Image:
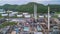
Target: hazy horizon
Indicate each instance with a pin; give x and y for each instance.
(20, 2)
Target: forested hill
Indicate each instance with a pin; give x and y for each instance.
(55, 8)
(29, 7)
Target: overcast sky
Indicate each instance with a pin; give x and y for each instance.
(19, 2)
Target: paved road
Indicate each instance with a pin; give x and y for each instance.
(13, 32)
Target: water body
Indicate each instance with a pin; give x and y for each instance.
(26, 28)
(38, 33)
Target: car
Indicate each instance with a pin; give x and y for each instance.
(39, 28)
(55, 28)
(55, 32)
(1, 33)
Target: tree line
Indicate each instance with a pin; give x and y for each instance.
(29, 7)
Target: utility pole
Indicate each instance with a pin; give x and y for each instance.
(48, 19)
(8, 15)
(35, 11)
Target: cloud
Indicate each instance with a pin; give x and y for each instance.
(19, 2)
(40, 0)
(30, 0)
(16, 0)
(9, 0)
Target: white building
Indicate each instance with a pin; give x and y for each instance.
(11, 15)
(4, 14)
(14, 13)
(58, 15)
(2, 11)
(27, 16)
(9, 11)
(47, 16)
(14, 20)
(19, 15)
(41, 16)
(25, 13)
